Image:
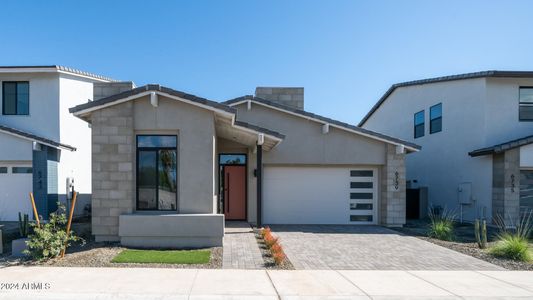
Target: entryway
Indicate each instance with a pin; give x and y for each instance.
(233, 185)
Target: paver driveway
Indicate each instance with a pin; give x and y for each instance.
(367, 248)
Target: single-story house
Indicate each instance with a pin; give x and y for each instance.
(168, 167)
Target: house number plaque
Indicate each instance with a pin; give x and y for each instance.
(512, 183)
(396, 180)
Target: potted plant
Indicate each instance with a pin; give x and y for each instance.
(19, 245)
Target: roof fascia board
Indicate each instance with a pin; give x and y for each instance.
(60, 146)
(49, 70)
(160, 93)
(323, 123)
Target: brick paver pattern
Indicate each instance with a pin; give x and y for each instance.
(367, 248)
(241, 250)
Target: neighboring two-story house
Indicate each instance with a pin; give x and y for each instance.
(476, 132)
(41, 143)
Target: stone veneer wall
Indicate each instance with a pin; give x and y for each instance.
(112, 167)
(392, 206)
(506, 185)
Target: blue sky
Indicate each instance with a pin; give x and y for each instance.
(345, 53)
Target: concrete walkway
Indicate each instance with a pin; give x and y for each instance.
(340, 247)
(240, 249)
(122, 283)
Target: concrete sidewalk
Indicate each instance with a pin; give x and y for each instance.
(143, 283)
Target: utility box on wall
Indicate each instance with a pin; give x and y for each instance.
(464, 192)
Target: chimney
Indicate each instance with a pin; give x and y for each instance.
(106, 89)
(289, 96)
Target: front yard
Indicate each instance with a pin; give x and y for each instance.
(464, 241)
(93, 254)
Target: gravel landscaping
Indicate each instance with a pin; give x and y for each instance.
(465, 243)
(267, 257)
(94, 254)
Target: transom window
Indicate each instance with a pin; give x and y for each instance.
(157, 172)
(16, 98)
(525, 111)
(435, 118)
(419, 124)
(232, 159)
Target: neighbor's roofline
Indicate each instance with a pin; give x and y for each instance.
(492, 73)
(499, 148)
(323, 120)
(35, 138)
(55, 69)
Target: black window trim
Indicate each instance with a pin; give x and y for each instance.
(430, 119)
(423, 124)
(155, 149)
(16, 99)
(523, 104)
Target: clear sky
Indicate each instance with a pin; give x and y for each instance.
(345, 53)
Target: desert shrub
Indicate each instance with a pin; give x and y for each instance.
(270, 240)
(441, 225)
(265, 231)
(513, 247)
(513, 238)
(48, 240)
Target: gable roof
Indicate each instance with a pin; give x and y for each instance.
(324, 120)
(499, 148)
(493, 73)
(54, 68)
(143, 91)
(34, 138)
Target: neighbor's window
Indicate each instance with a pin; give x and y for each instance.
(16, 98)
(525, 112)
(21, 170)
(157, 172)
(435, 118)
(419, 124)
(3, 170)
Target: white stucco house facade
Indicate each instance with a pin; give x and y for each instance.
(475, 130)
(41, 143)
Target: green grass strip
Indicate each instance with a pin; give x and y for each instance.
(163, 256)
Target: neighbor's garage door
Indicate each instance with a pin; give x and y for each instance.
(319, 195)
(15, 186)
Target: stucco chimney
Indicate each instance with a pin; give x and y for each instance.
(106, 89)
(290, 96)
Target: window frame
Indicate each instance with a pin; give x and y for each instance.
(431, 130)
(423, 124)
(520, 104)
(156, 150)
(16, 98)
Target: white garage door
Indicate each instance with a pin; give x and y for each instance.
(319, 195)
(15, 186)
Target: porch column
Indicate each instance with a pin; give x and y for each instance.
(259, 175)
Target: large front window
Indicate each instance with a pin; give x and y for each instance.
(156, 172)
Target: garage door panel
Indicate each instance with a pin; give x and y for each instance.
(311, 195)
(14, 195)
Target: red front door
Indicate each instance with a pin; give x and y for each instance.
(235, 192)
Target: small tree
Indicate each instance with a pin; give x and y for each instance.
(47, 241)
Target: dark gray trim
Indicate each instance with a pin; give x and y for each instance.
(502, 147)
(259, 185)
(260, 129)
(508, 74)
(324, 119)
(35, 138)
(155, 88)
